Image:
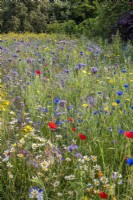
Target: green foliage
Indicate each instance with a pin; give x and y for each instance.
(68, 27)
(107, 16)
(25, 16)
(90, 17)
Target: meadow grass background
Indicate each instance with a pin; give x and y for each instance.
(85, 89)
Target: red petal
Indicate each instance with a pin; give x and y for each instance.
(103, 195)
(38, 72)
(52, 125)
(129, 134)
(82, 137)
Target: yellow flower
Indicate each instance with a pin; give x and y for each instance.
(20, 145)
(10, 174)
(94, 158)
(84, 71)
(114, 104)
(2, 108)
(20, 155)
(28, 129)
(85, 105)
(106, 109)
(45, 169)
(111, 81)
(85, 198)
(9, 164)
(6, 102)
(127, 99)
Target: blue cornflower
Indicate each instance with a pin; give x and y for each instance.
(118, 101)
(95, 112)
(121, 131)
(129, 161)
(57, 100)
(131, 107)
(126, 85)
(58, 122)
(119, 93)
(80, 120)
(45, 110)
(124, 70)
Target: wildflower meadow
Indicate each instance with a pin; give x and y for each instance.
(66, 118)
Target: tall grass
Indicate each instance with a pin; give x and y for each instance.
(66, 106)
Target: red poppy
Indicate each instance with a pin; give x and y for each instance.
(82, 137)
(103, 195)
(52, 125)
(70, 119)
(73, 129)
(38, 72)
(45, 64)
(129, 134)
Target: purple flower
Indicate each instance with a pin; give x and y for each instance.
(15, 55)
(10, 59)
(29, 60)
(91, 100)
(115, 175)
(94, 70)
(78, 155)
(66, 70)
(79, 66)
(72, 147)
(124, 70)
